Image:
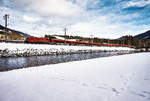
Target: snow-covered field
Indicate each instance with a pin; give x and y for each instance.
(17, 49)
(117, 78)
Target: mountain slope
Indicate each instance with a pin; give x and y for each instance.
(17, 32)
(145, 35)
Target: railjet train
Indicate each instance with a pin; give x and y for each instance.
(61, 41)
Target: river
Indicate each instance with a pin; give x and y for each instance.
(24, 62)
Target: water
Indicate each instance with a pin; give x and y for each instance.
(24, 62)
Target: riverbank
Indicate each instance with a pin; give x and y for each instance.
(117, 78)
(21, 49)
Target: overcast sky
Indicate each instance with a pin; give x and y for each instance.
(98, 18)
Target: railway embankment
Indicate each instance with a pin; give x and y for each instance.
(21, 49)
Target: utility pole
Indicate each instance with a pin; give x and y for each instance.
(6, 16)
(92, 37)
(65, 32)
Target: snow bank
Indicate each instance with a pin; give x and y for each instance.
(118, 78)
(17, 49)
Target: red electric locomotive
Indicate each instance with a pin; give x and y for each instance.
(37, 40)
